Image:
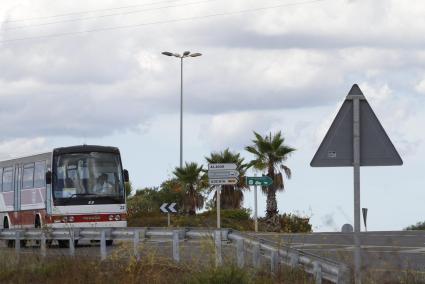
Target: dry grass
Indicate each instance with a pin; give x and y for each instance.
(152, 268)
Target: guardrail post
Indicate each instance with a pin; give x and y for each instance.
(17, 242)
(176, 249)
(294, 258)
(317, 270)
(103, 245)
(71, 243)
(217, 242)
(43, 244)
(343, 275)
(240, 253)
(274, 261)
(136, 240)
(256, 255)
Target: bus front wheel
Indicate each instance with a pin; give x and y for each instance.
(11, 243)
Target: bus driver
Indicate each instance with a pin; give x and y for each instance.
(102, 185)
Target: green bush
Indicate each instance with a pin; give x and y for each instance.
(238, 219)
(234, 214)
(295, 224)
(419, 226)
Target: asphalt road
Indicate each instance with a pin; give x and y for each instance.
(381, 251)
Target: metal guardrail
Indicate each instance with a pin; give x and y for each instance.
(319, 267)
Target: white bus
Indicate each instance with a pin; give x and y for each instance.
(78, 186)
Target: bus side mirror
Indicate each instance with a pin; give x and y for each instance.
(126, 178)
(48, 177)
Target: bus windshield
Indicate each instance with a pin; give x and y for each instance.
(80, 176)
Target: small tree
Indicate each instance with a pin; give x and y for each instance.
(270, 153)
(192, 183)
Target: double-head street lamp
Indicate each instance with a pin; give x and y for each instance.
(186, 54)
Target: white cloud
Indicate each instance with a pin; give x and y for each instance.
(420, 87)
(21, 147)
(234, 130)
(286, 69)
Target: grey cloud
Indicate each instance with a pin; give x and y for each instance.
(68, 112)
(95, 84)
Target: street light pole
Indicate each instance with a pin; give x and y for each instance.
(181, 112)
(185, 55)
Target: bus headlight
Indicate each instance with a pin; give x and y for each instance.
(117, 217)
(71, 219)
(111, 217)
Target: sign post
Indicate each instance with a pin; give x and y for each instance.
(218, 175)
(356, 167)
(168, 208)
(255, 208)
(356, 138)
(364, 211)
(218, 193)
(255, 181)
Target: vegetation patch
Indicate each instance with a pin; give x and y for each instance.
(238, 219)
(417, 227)
(33, 269)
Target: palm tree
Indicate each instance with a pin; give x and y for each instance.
(231, 195)
(192, 183)
(270, 152)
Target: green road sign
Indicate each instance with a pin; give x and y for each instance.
(264, 180)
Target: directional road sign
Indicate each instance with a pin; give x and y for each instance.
(168, 208)
(223, 181)
(262, 181)
(223, 174)
(220, 167)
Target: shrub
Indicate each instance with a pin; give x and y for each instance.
(295, 224)
(234, 214)
(238, 219)
(417, 227)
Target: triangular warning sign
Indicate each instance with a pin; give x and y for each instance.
(336, 149)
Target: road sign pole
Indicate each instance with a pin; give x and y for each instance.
(169, 219)
(255, 208)
(356, 166)
(218, 189)
(364, 211)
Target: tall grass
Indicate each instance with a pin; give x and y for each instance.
(30, 268)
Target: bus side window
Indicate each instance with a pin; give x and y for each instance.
(40, 174)
(1, 179)
(7, 179)
(28, 177)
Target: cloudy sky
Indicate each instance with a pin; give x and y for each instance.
(91, 71)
